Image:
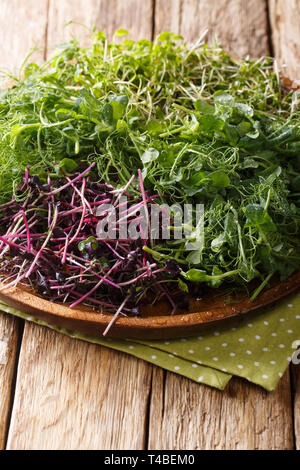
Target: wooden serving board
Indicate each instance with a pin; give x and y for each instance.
(155, 322)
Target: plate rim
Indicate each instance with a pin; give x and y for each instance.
(159, 326)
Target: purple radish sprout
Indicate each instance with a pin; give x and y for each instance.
(114, 251)
(114, 318)
(94, 288)
(27, 230)
(45, 242)
(13, 245)
(63, 264)
(77, 178)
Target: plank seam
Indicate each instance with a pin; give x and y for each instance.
(153, 19)
(46, 30)
(180, 16)
(293, 395)
(148, 413)
(21, 324)
(269, 30)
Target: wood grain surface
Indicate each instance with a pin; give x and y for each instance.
(9, 338)
(23, 26)
(285, 34)
(134, 15)
(240, 25)
(242, 417)
(73, 395)
(296, 401)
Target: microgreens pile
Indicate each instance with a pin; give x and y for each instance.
(202, 128)
(50, 242)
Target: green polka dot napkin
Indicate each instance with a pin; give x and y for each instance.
(256, 346)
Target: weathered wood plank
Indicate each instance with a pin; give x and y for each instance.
(168, 14)
(75, 395)
(240, 25)
(9, 335)
(186, 415)
(22, 27)
(296, 400)
(285, 28)
(135, 16)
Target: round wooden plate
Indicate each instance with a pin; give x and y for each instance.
(155, 322)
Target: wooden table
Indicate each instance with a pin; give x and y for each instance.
(59, 393)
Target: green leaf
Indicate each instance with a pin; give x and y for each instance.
(194, 256)
(108, 114)
(191, 126)
(65, 113)
(154, 127)
(269, 263)
(166, 158)
(118, 110)
(90, 99)
(295, 183)
(284, 135)
(217, 242)
(121, 32)
(30, 69)
(122, 99)
(190, 191)
(216, 282)
(257, 216)
(243, 109)
(220, 179)
(183, 286)
(67, 165)
(82, 245)
(198, 179)
(203, 107)
(231, 134)
(248, 163)
(195, 275)
(119, 105)
(210, 123)
(223, 98)
(243, 128)
(273, 173)
(149, 155)
(249, 143)
(165, 36)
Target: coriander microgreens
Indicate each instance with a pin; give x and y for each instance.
(202, 126)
